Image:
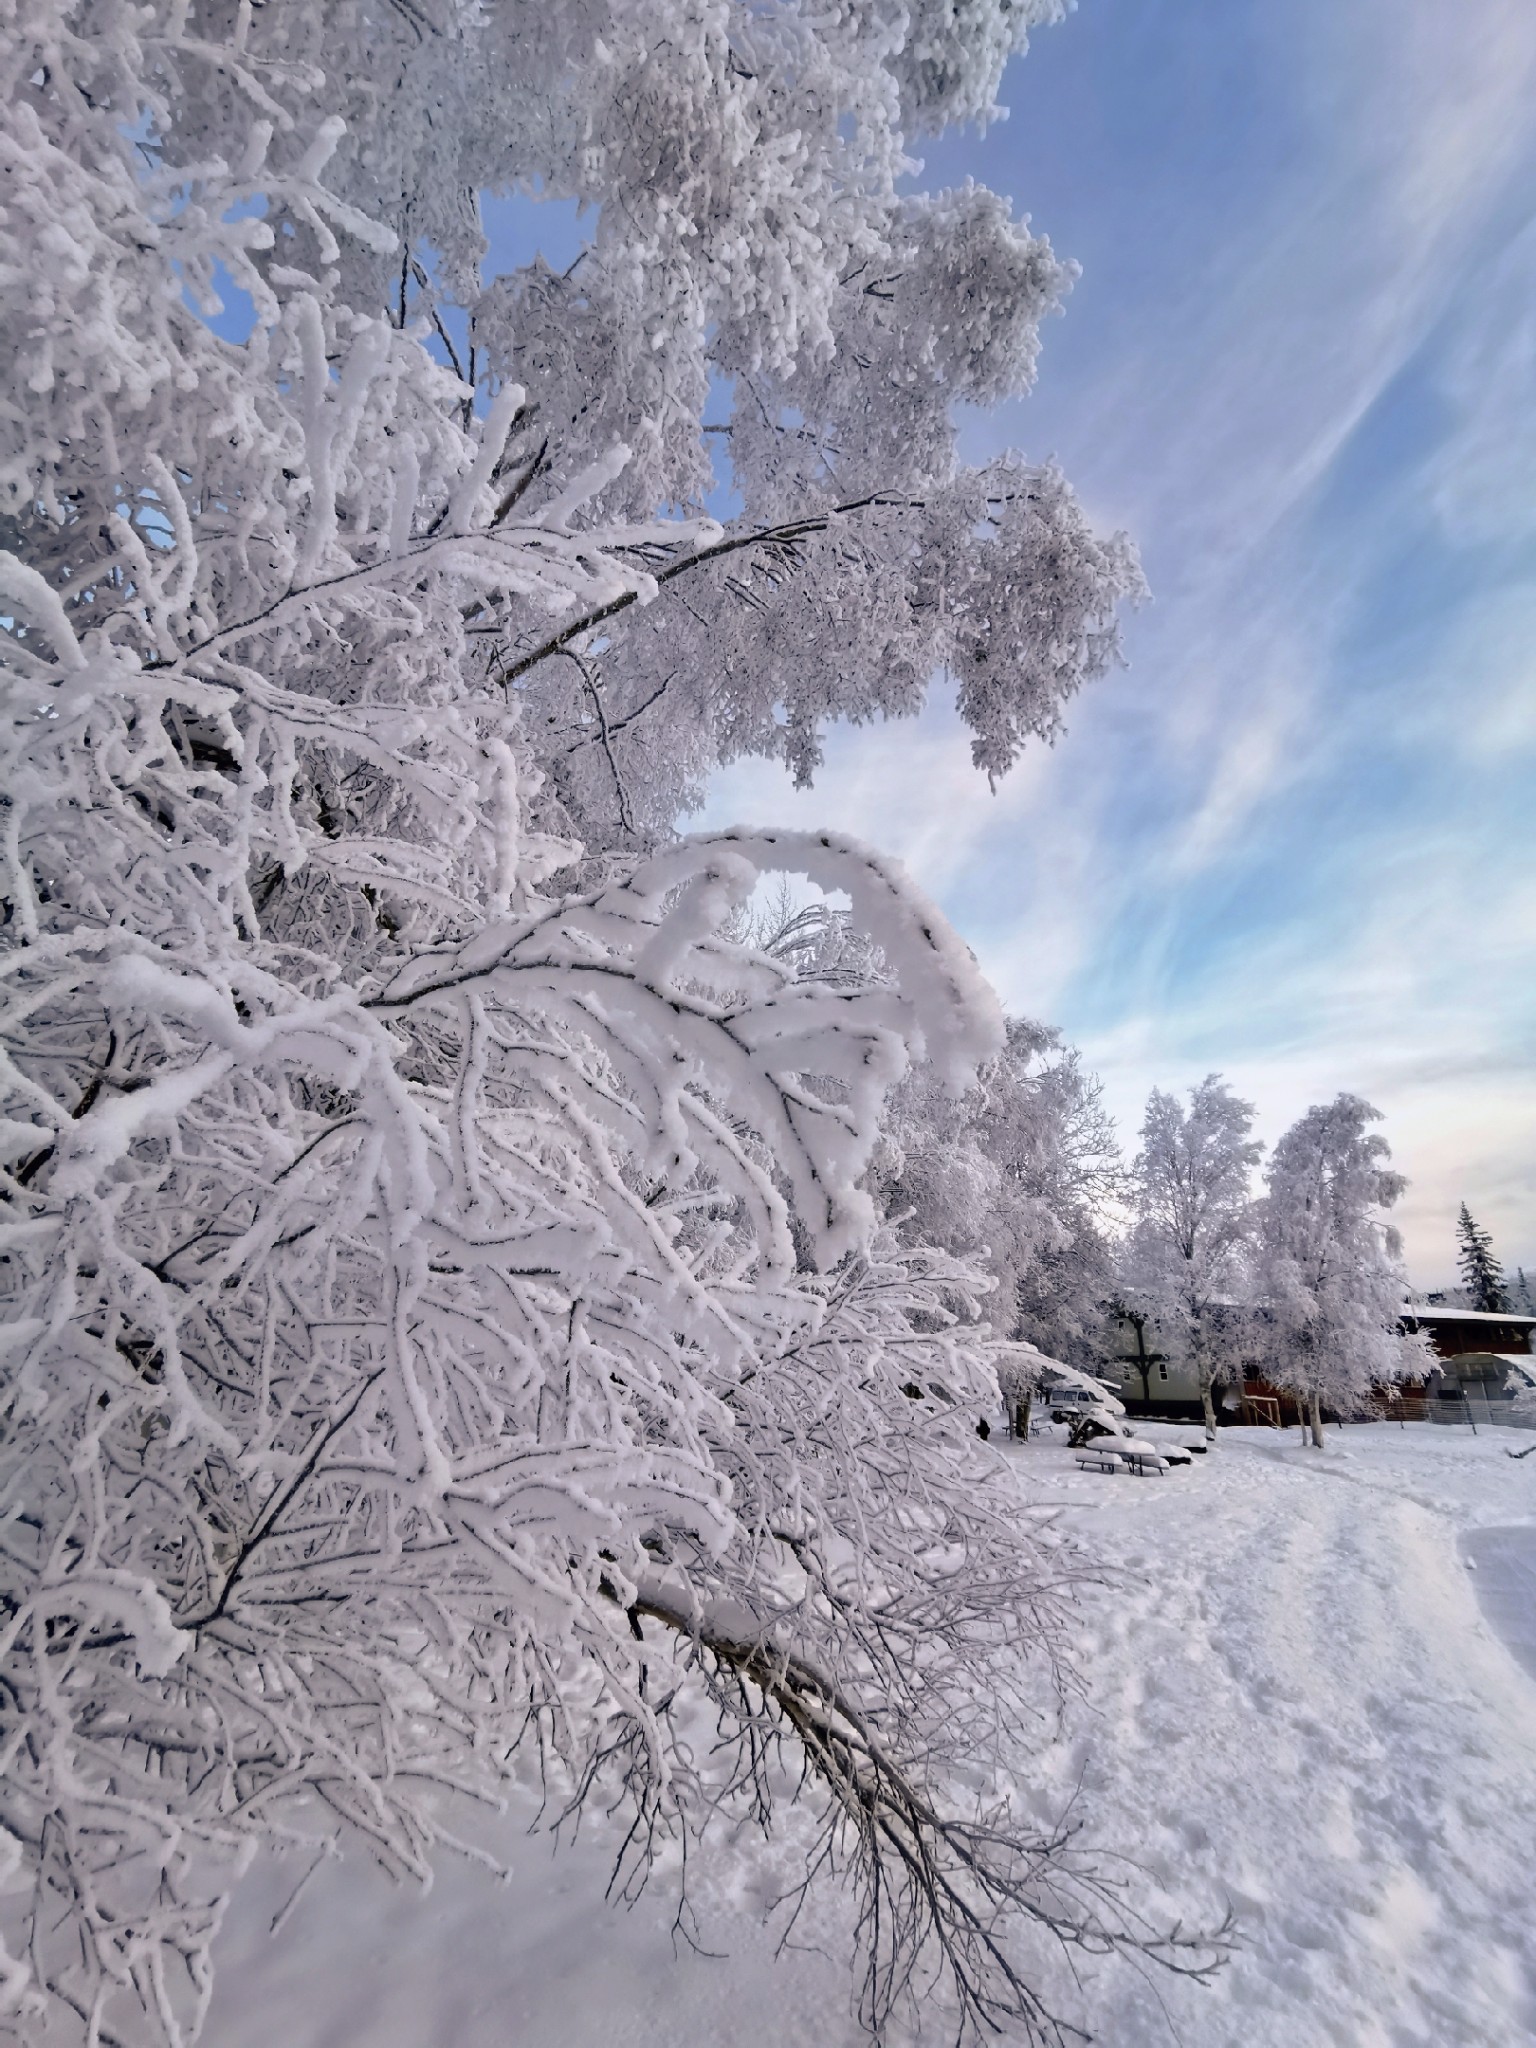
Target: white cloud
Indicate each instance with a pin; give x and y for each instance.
(1216, 426)
(908, 787)
(1474, 694)
(1415, 117)
(1251, 762)
(1480, 479)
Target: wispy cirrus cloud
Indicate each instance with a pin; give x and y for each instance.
(1479, 479)
(1292, 841)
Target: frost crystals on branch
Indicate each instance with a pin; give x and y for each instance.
(442, 1307)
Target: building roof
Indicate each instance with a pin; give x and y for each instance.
(1423, 1313)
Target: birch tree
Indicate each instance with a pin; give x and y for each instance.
(444, 1319)
(1194, 1219)
(1329, 1265)
(1018, 1175)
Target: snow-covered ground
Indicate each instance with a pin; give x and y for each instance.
(1305, 1699)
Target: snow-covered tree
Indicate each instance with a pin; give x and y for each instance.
(756, 286)
(1184, 1256)
(1481, 1273)
(1523, 1298)
(1016, 1175)
(440, 1304)
(1057, 1145)
(1329, 1267)
(750, 252)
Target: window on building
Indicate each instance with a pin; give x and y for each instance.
(1162, 1368)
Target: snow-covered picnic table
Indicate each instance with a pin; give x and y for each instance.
(1126, 1453)
(1100, 1458)
(1140, 1456)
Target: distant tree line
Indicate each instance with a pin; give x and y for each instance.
(1299, 1280)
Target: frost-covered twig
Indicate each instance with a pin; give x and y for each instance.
(412, 1267)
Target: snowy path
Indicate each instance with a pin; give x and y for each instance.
(1320, 1714)
(1297, 1704)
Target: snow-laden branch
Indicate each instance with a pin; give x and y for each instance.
(417, 1273)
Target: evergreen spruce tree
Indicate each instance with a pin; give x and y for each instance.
(1481, 1273)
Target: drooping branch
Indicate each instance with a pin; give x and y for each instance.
(934, 1884)
(786, 534)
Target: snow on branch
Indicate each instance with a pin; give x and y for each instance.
(420, 1276)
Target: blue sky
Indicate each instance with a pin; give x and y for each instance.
(1293, 841)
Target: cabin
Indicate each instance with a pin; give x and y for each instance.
(1471, 1332)
(1483, 1359)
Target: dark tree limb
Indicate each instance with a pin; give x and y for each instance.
(788, 534)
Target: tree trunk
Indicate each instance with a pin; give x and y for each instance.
(1143, 1362)
(1209, 1406)
(1315, 1419)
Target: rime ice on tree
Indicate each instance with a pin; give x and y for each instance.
(1188, 1249)
(442, 1302)
(1328, 1266)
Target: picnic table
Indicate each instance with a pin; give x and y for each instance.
(1141, 1457)
(1122, 1454)
(1097, 1460)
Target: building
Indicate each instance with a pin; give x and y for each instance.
(1155, 1373)
(1481, 1362)
(1483, 1359)
(1471, 1332)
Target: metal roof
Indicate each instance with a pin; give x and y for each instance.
(1428, 1313)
